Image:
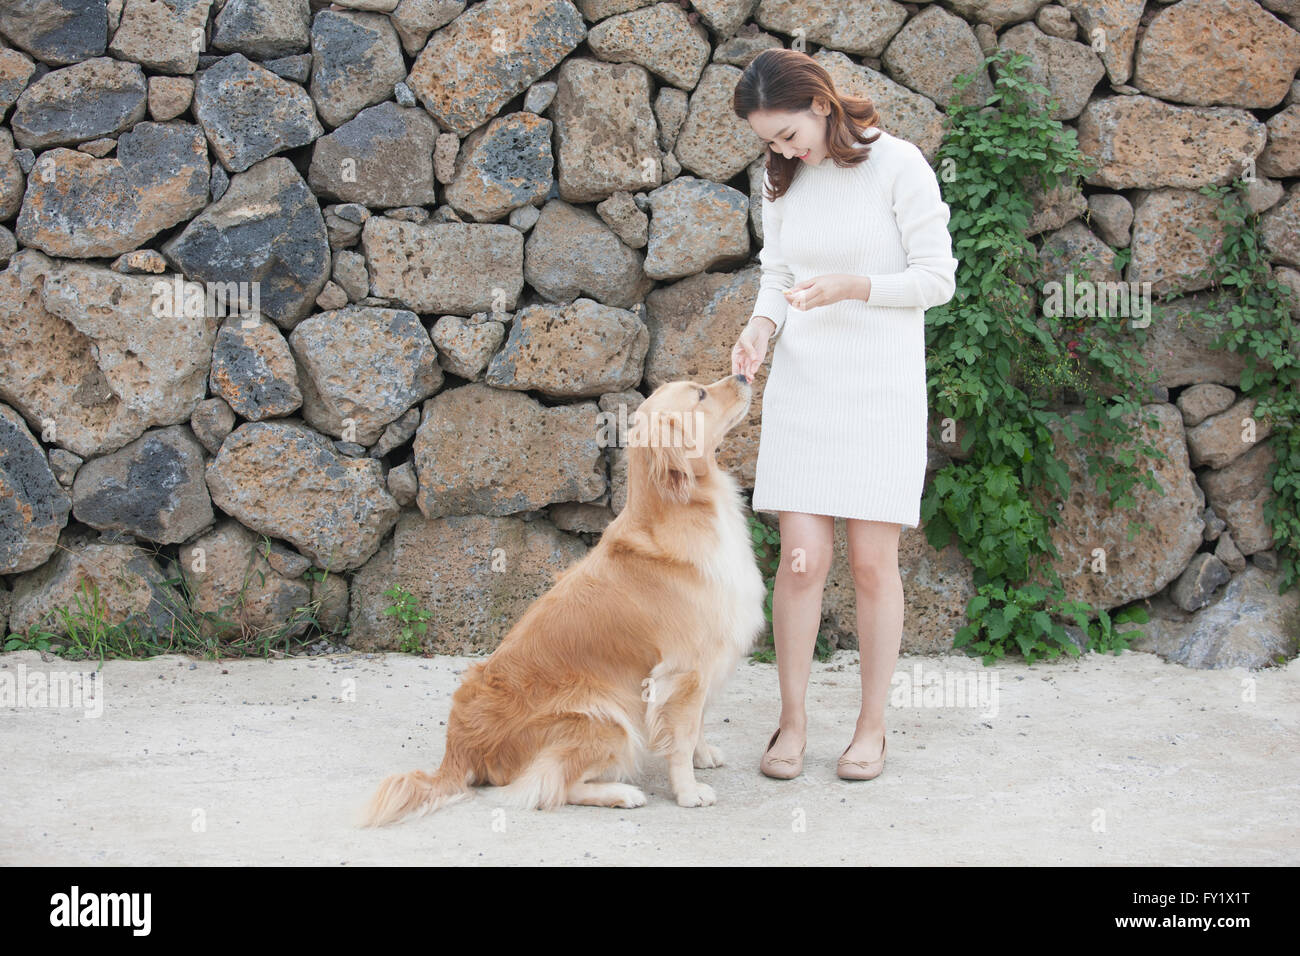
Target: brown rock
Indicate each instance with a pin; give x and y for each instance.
(504, 165)
(140, 262)
(116, 583)
(929, 53)
(403, 484)
(94, 98)
(1137, 141)
(332, 297)
(444, 267)
(211, 422)
(33, 506)
(466, 345)
(160, 36)
(1207, 52)
(1068, 69)
(580, 350)
(695, 225)
(1170, 245)
(338, 353)
(99, 148)
(604, 128)
(1112, 216)
(285, 480)
(414, 20)
(235, 591)
(152, 488)
(571, 253)
(658, 37)
(169, 96)
(85, 357)
(1115, 22)
(490, 53)
(1280, 229)
(1099, 563)
(1199, 402)
(620, 213)
(525, 457)
(81, 207)
(1180, 345)
(1281, 157)
(861, 27)
(472, 603)
(1056, 21)
(1223, 438)
(1054, 206)
(714, 143)
(16, 70)
(12, 179)
(1238, 491)
(1075, 247)
(1227, 552)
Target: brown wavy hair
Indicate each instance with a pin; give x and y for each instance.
(789, 80)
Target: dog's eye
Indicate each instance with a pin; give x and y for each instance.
(703, 394)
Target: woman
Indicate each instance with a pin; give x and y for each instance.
(855, 249)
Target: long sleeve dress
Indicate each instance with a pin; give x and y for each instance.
(843, 427)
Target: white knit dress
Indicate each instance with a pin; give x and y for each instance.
(844, 414)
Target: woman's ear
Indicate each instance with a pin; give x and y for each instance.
(670, 470)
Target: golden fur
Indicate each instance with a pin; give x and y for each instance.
(624, 653)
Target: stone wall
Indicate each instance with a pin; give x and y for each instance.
(467, 231)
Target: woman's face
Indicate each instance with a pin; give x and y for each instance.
(799, 135)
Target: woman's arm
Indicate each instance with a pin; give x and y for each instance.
(777, 276)
(922, 216)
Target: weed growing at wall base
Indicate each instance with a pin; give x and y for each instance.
(412, 618)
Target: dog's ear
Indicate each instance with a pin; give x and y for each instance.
(670, 469)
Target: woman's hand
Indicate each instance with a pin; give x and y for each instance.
(751, 348)
(824, 290)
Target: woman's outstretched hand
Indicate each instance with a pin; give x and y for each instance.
(751, 348)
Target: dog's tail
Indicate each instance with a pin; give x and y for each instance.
(403, 794)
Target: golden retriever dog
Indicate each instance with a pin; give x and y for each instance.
(623, 654)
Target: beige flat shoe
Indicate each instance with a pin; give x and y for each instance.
(781, 768)
(861, 769)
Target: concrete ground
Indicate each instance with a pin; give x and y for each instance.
(1106, 760)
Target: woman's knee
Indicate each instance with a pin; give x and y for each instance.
(807, 548)
(875, 574)
(873, 556)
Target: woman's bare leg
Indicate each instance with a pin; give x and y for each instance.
(873, 556)
(807, 547)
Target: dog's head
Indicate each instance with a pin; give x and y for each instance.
(677, 430)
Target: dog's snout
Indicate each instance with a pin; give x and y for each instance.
(739, 376)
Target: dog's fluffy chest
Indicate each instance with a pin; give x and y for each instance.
(735, 574)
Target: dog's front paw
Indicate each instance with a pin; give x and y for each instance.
(701, 795)
(628, 796)
(707, 756)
